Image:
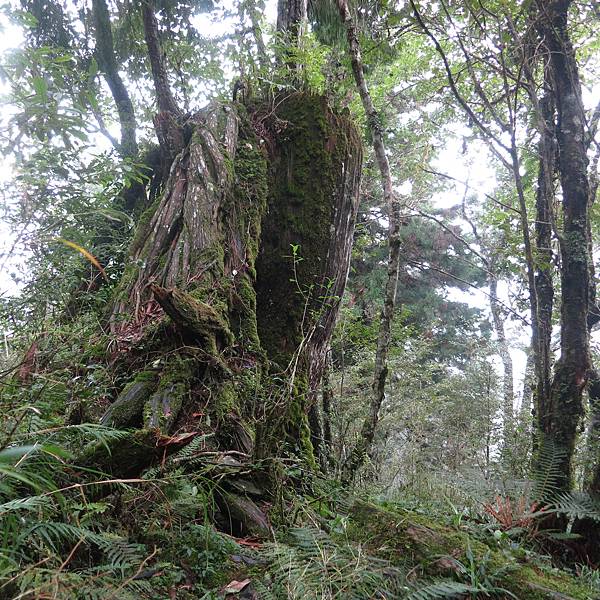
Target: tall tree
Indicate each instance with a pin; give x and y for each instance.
(392, 204)
(560, 422)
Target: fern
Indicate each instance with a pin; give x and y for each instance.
(445, 588)
(311, 565)
(576, 506)
(547, 470)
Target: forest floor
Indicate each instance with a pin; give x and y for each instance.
(204, 524)
(370, 550)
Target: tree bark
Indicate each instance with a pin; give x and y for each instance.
(239, 326)
(560, 423)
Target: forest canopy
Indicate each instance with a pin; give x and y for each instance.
(298, 299)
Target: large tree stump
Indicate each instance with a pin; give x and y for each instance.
(228, 303)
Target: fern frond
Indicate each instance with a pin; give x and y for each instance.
(576, 505)
(547, 470)
(441, 589)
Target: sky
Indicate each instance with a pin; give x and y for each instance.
(10, 37)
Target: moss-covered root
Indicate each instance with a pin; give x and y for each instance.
(400, 535)
(126, 410)
(164, 405)
(198, 318)
(123, 457)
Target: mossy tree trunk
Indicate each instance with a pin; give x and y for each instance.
(225, 310)
(560, 422)
(228, 302)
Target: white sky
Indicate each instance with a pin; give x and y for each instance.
(10, 37)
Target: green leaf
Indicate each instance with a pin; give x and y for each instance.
(41, 88)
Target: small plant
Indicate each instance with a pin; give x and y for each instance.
(474, 580)
(589, 577)
(514, 514)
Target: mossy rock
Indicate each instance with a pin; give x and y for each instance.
(403, 536)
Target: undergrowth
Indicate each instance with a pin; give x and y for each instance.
(70, 531)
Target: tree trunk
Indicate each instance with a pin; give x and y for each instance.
(542, 334)
(367, 434)
(107, 62)
(229, 300)
(560, 422)
(292, 16)
(507, 365)
(592, 476)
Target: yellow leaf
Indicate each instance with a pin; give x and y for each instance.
(85, 253)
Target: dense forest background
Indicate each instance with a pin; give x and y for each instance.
(300, 299)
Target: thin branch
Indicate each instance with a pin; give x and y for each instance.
(469, 284)
(465, 183)
(453, 234)
(463, 103)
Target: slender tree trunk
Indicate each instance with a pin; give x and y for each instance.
(327, 399)
(131, 198)
(542, 334)
(107, 62)
(561, 420)
(528, 384)
(367, 434)
(504, 351)
(164, 96)
(592, 477)
(167, 124)
(292, 20)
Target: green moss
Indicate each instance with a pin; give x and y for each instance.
(127, 409)
(129, 277)
(406, 537)
(298, 428)
(205, 320)
(226, 400)
(311, 143)
(302, 195)
(163, 407)
(243, 315)
(245, 210)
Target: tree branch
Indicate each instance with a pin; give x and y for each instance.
(105, 55)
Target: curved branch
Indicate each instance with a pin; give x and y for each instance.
(105, 55)
(164, 96)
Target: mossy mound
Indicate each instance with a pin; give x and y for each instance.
(435, 550)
